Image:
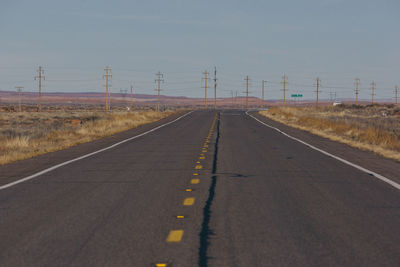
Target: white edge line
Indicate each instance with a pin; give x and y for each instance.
(377, 175)
(87, 155)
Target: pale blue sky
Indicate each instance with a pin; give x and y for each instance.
(336, 40)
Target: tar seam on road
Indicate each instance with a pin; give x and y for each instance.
(88, 155)
(376, 175)
(205, 227)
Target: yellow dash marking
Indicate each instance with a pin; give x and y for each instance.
(202, 157)
(195, 181)
(188, 190)
(175, 236)
(205, 145)
(199, 167)
(197, 161)
(195, 174)
(180, 217)
(161, 265)
(188, 201)
(204, 150)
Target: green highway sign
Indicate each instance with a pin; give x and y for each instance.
(297, 95)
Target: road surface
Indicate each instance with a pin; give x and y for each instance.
(210, 189)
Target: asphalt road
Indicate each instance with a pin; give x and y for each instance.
(211, 189)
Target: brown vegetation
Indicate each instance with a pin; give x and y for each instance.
(24, 135)
(373, 127)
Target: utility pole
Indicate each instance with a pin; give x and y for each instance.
(215, 87)
(284, 89)
(372, 92)
(357, 89)
(131, 102)
(108, 87)
(396, 89)
(262, 94)
(158, 81)
(317, 100)
(205, 88)
(39, 79)
(19, 90)
(247, 92)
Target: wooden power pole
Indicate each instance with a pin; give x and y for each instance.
(396, 90)
(284, 89)
(19, 90)
(108, 76)
(131, 100)
(159, 79)
(357, 89)
(39, 78)
(372, 92)
(247, 92)
(205, 78)
(215, 87)
(262, 104)
(318, 83)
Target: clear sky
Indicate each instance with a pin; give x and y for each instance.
(337, 40)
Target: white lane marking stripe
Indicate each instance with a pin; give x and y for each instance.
(377, 175)
(87, 155)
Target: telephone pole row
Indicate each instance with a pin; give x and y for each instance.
(396, 89)
(159, 79)
(39, 78)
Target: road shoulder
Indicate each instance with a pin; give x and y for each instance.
(386, 167)
(16, 170)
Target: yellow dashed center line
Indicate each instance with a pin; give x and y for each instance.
(202, 157)
(188, 201)
(180, 217)
(195, 181)
(198, 167)
(175, 236)
(161, 265)
(188, 190)
(195, 174)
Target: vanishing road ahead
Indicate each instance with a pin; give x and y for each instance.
(208, 189)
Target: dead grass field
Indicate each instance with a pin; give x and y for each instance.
(374, 127)
(28, 134)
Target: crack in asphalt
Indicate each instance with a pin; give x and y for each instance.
(206, 232)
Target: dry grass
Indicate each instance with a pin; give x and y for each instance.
(24, 135)
(374, 128)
